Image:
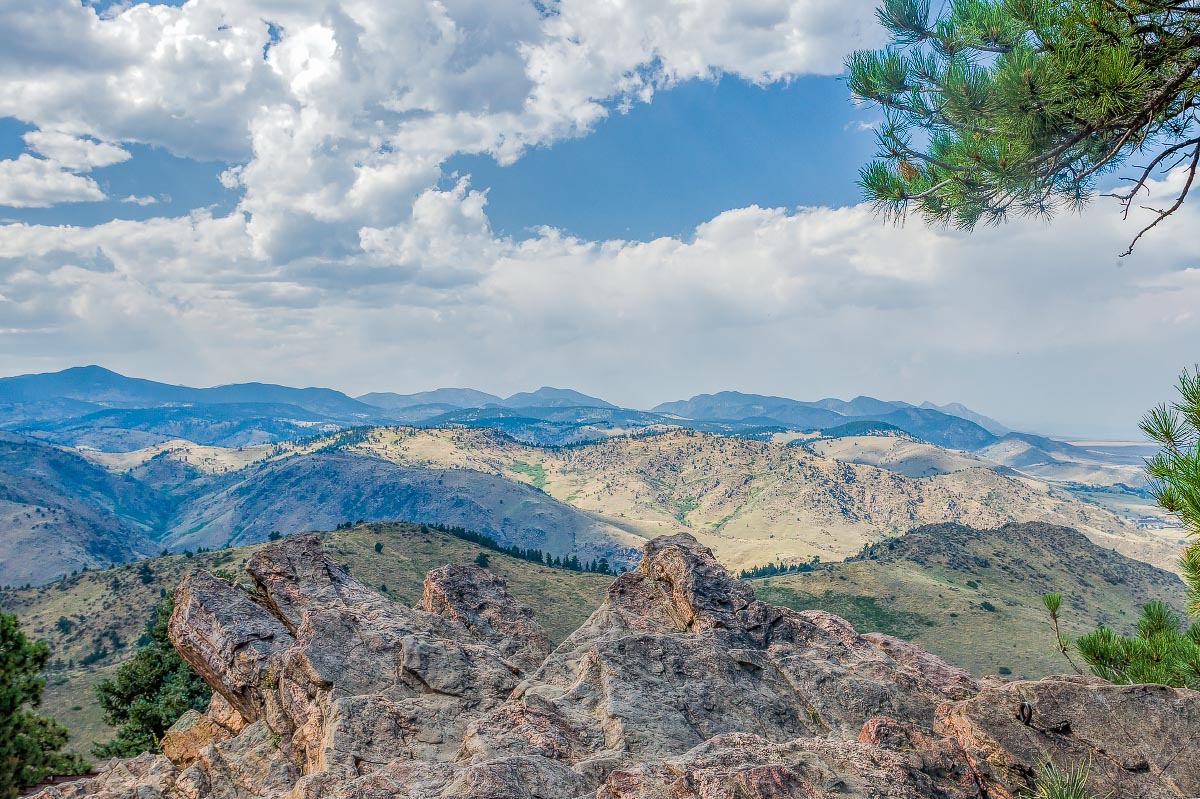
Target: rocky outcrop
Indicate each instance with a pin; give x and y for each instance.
(681, 685)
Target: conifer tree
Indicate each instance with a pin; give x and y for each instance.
(1175, 472)
(149, 692)
(1164, 649)
(30, 744)
(1002, 107)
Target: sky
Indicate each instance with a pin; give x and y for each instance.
(641, 200)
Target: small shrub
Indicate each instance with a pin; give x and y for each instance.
(988, 606)
(1055, 783)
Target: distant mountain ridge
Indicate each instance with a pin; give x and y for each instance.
(96, 407)
(106, 388)
(451, 397)
(936, 426)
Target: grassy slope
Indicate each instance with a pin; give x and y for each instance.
(754, 501)
(117, 601)
(897, 453)
(919, 589)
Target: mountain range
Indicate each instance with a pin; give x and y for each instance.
(98, 468)
(94, 407)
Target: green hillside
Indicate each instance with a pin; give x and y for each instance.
(974, 596)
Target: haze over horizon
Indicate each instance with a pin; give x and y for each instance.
(638, 206)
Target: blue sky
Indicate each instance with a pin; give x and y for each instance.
(699, 149)
(661, 202)
(656, 170)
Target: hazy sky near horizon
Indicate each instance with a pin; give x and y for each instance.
(641, 200)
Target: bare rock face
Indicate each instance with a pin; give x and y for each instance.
(1138, 740)
(680, 686)
(478, 600)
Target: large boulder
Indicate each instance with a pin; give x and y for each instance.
(680, 686)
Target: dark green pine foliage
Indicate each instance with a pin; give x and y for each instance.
(1002, 107)
(149, 692)
(1175, 472)
(30, 744)
(1165, 649)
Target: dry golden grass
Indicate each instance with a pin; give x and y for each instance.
(751, 501)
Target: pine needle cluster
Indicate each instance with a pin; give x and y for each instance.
(1003, 107)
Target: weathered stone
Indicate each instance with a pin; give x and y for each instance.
(147, 776)
(479, 600)
(680, 686)
(194, 731)
(681, 652)
(744, 766)
(227, 639)
(1136, 740)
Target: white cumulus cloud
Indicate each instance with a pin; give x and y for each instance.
(28, 182)
(74, 152)
(338, 115)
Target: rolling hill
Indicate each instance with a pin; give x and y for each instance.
(898, 452)
(322, 489)
(60, 512)
(974, 596)
(750, 500)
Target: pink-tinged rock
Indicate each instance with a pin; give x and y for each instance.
(680, 686)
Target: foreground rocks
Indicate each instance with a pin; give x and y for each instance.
(680, 685)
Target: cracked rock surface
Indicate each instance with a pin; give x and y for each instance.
(680, 686)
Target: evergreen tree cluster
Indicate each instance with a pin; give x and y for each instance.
(774, 569)
(571, 562)
(149, 692)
